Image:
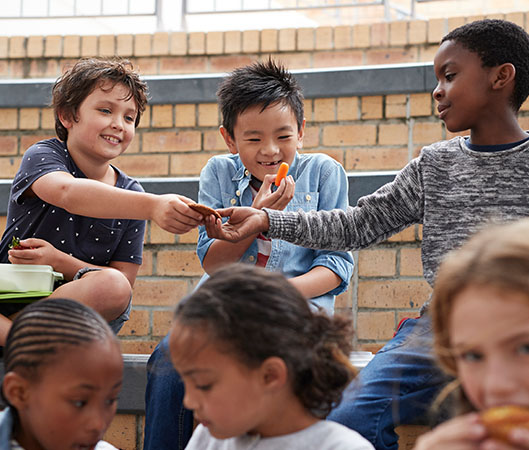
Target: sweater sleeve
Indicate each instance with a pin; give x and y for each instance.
(392, 208)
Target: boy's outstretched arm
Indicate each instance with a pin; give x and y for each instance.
(96, 199)
(243, 222)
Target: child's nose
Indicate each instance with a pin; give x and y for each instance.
(500, 384)
(190, 401)
(117, 122)
(437, 92)
(269, 148)
(96, 422)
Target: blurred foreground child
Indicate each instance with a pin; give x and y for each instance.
(260, 368)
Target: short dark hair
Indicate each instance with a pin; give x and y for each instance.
(257, 314)
(260, 83)
(44, 328)
(70, 90)
(498, 42)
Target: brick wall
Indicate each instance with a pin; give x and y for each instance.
(366, 133)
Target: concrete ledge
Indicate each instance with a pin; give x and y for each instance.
(201, 88)
(360, 184)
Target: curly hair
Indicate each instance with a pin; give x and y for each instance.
(259, 84)
(498, 42)
(257, 314)
(72, 88)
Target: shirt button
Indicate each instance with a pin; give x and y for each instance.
(251, 258)
(308, 197)
(246, 172)
(238, 193)
(233, 201)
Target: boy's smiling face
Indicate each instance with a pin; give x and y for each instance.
(464, 90)
(265, 139)
(104, 124)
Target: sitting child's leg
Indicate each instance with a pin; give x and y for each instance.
(397, 387)
(106, 290)
(168, 425)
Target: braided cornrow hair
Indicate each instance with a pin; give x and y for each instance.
(43, 328)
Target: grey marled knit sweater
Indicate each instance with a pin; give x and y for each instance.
(450, 189)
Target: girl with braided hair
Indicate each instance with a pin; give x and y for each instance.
(63, 375)
(261, 369)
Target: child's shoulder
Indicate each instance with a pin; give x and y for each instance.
(316, 161)
(332, 435)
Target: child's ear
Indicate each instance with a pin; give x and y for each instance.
(230, 141)
(65, 119)
(16, 389)
(504, 74)
(274, 373)
(301, 134)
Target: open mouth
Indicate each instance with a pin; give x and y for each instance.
(111, 139)
(270, 164)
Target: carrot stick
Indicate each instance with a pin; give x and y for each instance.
(281, 173)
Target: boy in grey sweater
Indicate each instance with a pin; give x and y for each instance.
(453, 188)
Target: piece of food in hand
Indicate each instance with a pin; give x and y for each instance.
(15, 243)
(204, 210)
(500, 420)
(281, 173)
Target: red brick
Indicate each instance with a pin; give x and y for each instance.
(324, 110)
(377, 263)
(311, 137)
(137, 347)
(8, 145)
(161, 322)
(379, 34)
(376, 158)
(9, 167)
(159, 291)
(144, 165)
(171, 141)
(137, 325)
(214, 141)
(427, 132)
(191, 237)
(182, 64)
(393, 293)
(122, 432)
(410, 262)
(396, 106)
(180, 263)
(160, 236)
(406, 235)
(162, 116)
(208, 115)
(393, 134)
(8, 119)
(372, 107)
(146, 266)
(347, 108)
(391, 55)
(338, 59)
(349, 135)
(226, 63)
(375, 325)
(28, 140)
(188, 164)
(305, 39)
(185, 115)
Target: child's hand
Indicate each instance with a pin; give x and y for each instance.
(519, 440)
(243, 222)
(172, 214)
(279, 199)
(462, 433)
(33, 251)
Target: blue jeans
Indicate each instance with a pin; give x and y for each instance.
(168, 425)
(397, 387)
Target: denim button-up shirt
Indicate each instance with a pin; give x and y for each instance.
(321, 183)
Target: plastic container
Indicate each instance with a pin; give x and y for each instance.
(27, 278)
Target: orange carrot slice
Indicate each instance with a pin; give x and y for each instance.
(281, 173)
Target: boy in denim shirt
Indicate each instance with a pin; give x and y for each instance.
(263, 126)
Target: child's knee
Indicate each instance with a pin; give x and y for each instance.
(114, 287)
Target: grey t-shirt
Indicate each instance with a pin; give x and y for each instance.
(323, 435)
(449, 188)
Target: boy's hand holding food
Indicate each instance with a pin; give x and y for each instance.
(172, 213)
(277, 199)
(34, 251)
(242, 222)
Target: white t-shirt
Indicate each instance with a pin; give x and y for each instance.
(101, 445)
(323, 435)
